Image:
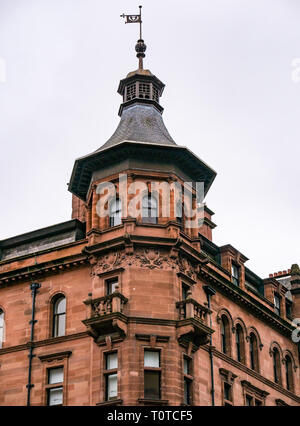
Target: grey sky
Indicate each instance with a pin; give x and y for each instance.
(229, 97)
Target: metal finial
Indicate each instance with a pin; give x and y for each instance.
(140, 47)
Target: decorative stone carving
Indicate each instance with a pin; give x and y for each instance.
(151, 258)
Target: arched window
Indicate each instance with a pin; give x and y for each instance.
(149, 209)
(1, 327)
(240, 344)
(276, 366)
(253, 352)
(289, 373)
(225, 335)
(115, 213)
(59, 316)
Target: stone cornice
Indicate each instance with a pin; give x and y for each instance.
(252, 373)
(41, 252)
(246, 300)
(34, 272)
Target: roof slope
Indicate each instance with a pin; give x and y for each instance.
(140, 123)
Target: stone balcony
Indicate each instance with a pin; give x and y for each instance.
(192, 325)
(106, 318)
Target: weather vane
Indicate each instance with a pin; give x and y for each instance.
(133, 19)
(140, 47)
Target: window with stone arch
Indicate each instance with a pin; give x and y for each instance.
(253, 347)
(289, 379)
(115, 212)
(149, 209)
(2, 327)
(225, 335)
(240, 343)
(58, 315)
(276, 365)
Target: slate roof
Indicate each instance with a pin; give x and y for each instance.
(140, 123)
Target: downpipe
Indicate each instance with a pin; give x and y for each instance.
(210, 292)
(34, 290)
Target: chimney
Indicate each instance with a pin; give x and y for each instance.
(295, 290)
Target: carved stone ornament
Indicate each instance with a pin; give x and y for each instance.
(150, 258)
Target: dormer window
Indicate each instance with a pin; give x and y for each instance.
(235, 274)
(288, 308)
(277, 304)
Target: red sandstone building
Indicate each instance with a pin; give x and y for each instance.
(124, 310)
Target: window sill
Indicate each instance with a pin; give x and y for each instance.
(146, 401)
(111, 402)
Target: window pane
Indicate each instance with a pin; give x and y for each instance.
(288, 309)
(111, 286)
(61, 325)
(55, 396)
(60, 306)
(149, 210)
(187, 365)
(152, 385)
(115, 213)
(112, 386)
(227, 391)
(277, 304)
(112, 361)
(151, 359)
(248, 401)
(56, 375)
(1, 327)
(185, 289)
(187, 396)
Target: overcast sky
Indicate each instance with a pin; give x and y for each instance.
(229, 97)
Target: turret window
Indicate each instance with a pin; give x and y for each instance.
(179, 218)
(131, 92)
(144, 90)
(155, 94)
(115, 213)
(150, 211)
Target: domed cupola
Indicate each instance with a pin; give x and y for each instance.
(141, 86)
